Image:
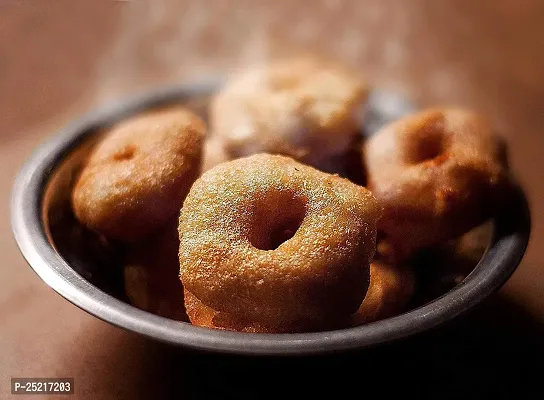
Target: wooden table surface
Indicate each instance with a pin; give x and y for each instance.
(59, 59)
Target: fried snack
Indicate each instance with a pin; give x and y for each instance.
(138, 175)
(391, 288)
(437, 174)
(274, 242)
(304, 108)
(151, 275)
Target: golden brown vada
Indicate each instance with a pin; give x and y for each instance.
(274, 242)
(305, 108)
(437, 174)
(138, 175)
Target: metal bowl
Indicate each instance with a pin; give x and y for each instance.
(81, 268)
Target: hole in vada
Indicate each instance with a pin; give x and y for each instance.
(427, 143)
(282, 233)
(427, 149)
(277, 216)
(125, 153)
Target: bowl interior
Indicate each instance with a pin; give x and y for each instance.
(85, 268)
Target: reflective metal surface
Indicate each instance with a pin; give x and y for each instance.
(84, 268)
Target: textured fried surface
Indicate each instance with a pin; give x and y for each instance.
(437, 174)
(237, 254)
(151, 274)
(204, 316)
(391, 288)
(305, 108)
(138, 175)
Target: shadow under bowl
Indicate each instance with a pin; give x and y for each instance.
(85, 269)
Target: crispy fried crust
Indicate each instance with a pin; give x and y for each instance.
(138, 175)
(275, 242)
(437, 174)
(305, 108)
(204, 316)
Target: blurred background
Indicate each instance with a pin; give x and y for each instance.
(59, 59)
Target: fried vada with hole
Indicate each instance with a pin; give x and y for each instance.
(138, 175)
(305, 108)
(437, 174)
(277, 243)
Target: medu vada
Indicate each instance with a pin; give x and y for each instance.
(138, 175)
(391, 288)
(268, 240)
(305, 108)
(437, 174)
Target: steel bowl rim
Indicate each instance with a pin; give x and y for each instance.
(510, 239)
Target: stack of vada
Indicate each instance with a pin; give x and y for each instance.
(256, 223)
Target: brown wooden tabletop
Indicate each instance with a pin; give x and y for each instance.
(58, 59)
